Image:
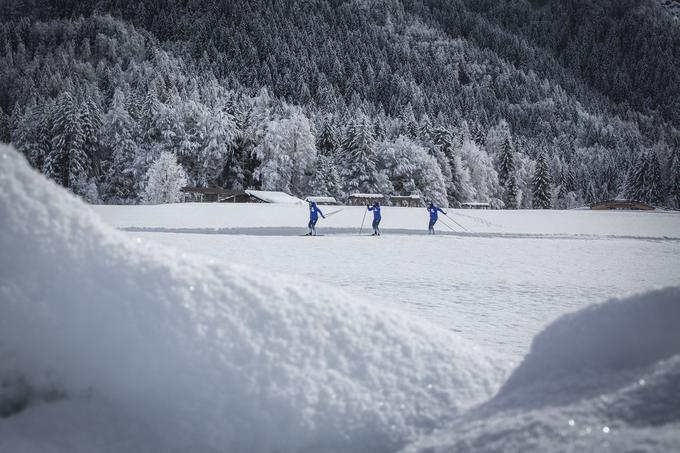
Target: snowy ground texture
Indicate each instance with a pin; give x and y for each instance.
(111, 342)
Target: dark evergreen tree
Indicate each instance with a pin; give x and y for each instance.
(541, 185)
(67, 162)
(511, 192)
(636, 181)
(4, 127)
(507, 161)
(327, 142)
(655, 189)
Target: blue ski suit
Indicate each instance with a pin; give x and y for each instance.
(314, 212)
(434, 216)
(376, 218)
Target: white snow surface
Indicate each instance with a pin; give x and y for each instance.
(605, 379)
(112, 344)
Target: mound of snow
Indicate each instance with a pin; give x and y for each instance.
(112, 344)
(606, 378)
(615, 337)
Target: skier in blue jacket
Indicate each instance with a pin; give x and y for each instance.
(314, 212)
(376, 217)
(434, 216)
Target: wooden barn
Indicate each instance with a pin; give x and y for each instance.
(406, 201)
(216, 195)
(362, 199)
(627, 205)
(475, 205)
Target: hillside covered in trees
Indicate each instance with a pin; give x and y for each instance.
(538, 103)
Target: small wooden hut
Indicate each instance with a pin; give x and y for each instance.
(627, 205)
(406, 201)
(215, 195)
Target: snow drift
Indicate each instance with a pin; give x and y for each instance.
(111, 344)
(606, 378)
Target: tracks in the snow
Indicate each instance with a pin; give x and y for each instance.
(331, 232)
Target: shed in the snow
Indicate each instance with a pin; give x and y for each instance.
(630, 205)
(475, 205)
(406, 201)
(361, 199)
(322, 200)
(268, 196)
(215, 194)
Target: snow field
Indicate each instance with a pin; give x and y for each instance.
(114, 344)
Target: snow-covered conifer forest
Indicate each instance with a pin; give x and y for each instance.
(168, 281)
(456, 101)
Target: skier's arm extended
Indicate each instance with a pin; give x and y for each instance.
(370, 208)
(441, 210)
(319, 211)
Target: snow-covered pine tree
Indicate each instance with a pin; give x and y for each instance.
(511, 192)
(119, 130)
(378, 129)
(327, 142)
(4, 127)
(506, 161)
(425, 129)
(326, 180)
(164, 180)
(674, 183)
(655, 189)
(216, 130)
(91, 123)
(67, 162)
(360, 170)
(636, 181)
(541, 185)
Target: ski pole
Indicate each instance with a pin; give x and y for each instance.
(362, 222)
(447, 216)
(449, 226)
(334, 212)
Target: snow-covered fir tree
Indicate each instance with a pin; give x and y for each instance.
(4, 127)
(119, 130)
(655, 193)
(360, 168)
(636, 180)
(541, 193)
(327, 143)
(511, 193)
(164, 180)
(67, 162)
(326, 180)
(506, 161)
(674, 183)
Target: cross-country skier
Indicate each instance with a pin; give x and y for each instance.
(376, 217)
(434, 216)
(314, 212)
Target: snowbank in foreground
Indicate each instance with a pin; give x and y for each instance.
(112, 344)
(606, 378)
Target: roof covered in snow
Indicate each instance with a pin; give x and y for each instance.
(322, 199)
(274, 197)
(366, 195)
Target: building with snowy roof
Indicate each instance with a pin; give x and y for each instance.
(406, 201)
(360, 199)
(322, 200)
(268, 196)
